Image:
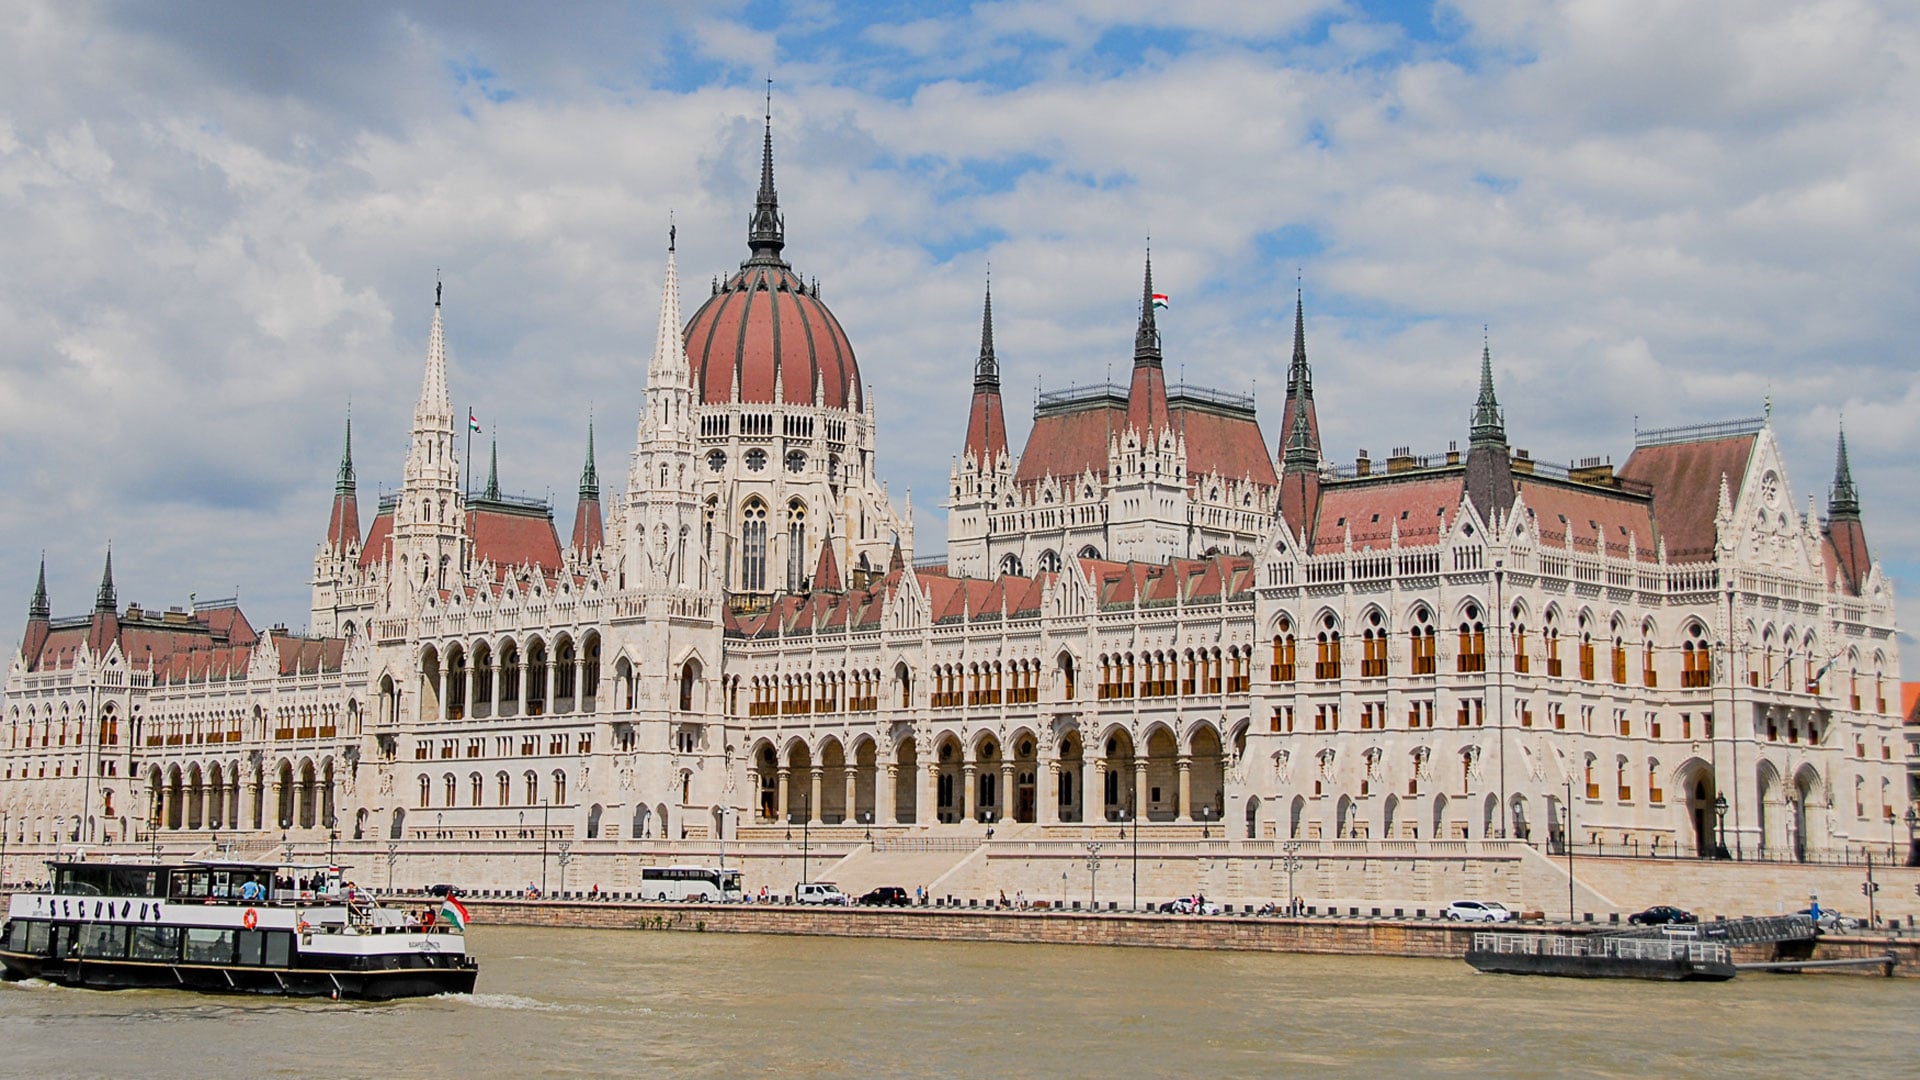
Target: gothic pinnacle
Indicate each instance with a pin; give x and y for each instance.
(1844, 501)
(986, 372)
(1146, 340)
(589, 478)
(106, 599)
(493, 472)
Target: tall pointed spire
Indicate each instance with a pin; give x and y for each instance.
(766, 233)
(343, 483)
(1300, 421)
(589, 477)
(433, 385)
(1146, 339)
(986, 371)
(986, 420)
(1843, 503)
(1489, 425)
(493, 472)
(343, 525)
(1490, 484)
(588, 532)
(669, 348)
(106, 600)
(40, 608)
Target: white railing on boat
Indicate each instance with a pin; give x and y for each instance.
(1660, 949)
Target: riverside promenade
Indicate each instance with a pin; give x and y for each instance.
(1329, 935)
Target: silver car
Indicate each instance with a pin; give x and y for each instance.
(1478, 911)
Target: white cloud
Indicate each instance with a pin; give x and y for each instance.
(1662, 210)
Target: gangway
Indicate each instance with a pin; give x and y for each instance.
(1755, 930)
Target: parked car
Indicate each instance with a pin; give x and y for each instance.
(1662, 915)
(886, 896)
(444, 889)
(1478, 911)
(818, 892)
(1192, 905)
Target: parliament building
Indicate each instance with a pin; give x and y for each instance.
(1151, 613)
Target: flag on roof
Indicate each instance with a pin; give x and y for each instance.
(473, 422)
(1160, 302)
(454, 913)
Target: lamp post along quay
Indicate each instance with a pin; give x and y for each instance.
(1720, 842)
(1290, 861)
(1569, 812)
(1093, 873)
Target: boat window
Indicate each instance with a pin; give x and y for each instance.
(190, 885)
(81, 880)
(252, 945)
(206, 945)
(125, 881)
(279, 948)
(100, 941)
(36, 938)
(156, 943)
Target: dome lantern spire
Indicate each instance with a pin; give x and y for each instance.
(767, 231)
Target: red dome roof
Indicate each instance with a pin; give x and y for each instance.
(768, 336)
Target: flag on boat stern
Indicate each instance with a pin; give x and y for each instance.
(455, 913)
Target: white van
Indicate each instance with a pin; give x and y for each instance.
(818, 892)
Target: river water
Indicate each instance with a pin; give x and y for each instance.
(618, 1004)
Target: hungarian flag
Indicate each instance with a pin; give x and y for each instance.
(473, 422)
(1160, 302)
(454, 913)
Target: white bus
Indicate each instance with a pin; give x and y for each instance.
(689, 883)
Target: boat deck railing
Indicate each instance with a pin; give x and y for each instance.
(1651, 949)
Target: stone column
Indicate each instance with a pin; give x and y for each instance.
(970, 808)
(521, 671)
(440, 706)
(890, 798)
(925, 808)
(1046, 808)
(781, 806)
(815, 775)
(1008, 802)
(1184, 812)
(493, 686)
(853, 790)
(1140, 789)
(1093, 800)
(466, 695)
(552, 680)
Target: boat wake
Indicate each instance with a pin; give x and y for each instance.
(510, 1001)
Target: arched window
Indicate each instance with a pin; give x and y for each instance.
(426, 792)
(533, 787)
(559, 786)
(753, 547)
(1420, 636)
(796, 546)
(1010, 564)
(1285, 652)
(479, 794)
(1473, 642)
(1373, 659)
(504, 784)
(453, 790)
(1327, 663)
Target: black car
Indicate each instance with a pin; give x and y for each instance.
(886, 896)
(1662, 915)
(443, 889)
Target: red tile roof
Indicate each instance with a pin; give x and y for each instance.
(379, 539)
(1589, 514)
(1227, 445)
(508, 539)
(1066, 444)
(1416, 504)
(1686, 488)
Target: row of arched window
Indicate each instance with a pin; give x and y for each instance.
(476, 793)
(1171, 673)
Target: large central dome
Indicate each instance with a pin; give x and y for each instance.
(765, 337)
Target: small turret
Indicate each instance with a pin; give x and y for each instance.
(39, 610)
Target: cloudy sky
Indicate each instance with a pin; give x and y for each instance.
(220, 224)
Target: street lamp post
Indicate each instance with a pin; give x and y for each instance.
(1913, 849)
(544, 807)
(6, 834)
(565, 858)
(724, 811)
(1291, 861)
(1206, 823)
(1093, 874)
(393, 856)
(1720, 810)
(1568, 809)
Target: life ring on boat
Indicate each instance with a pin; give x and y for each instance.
(251, 919)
